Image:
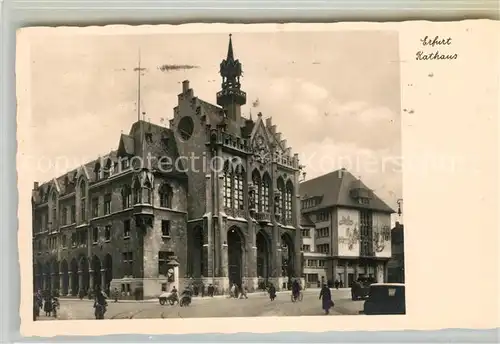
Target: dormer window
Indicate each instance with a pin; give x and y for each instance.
(125, 162)
(149, 137)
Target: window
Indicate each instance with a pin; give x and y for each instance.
(258, 190)
(74, 240)
(265, 194)
(64, 216)
(228, 201)
(95, 207)
(83, 199)
(148, 196)
(323, 232)
(106, 170)
(323, 248)
(128, 263)
(126, 197)
(312, 263)
(126, 229)
(306, 233)
(165, 228)
(73, 213)
(64, 240)
(288, 204)
(238, 189)
(322, 216)
(125, 163)
(107, 204)
(306, 248)
(95, 235)
(54, 218)
(107, 233)
(166, 196)
(321, 263)
(137, 195)
(163, 258)
(279, 205)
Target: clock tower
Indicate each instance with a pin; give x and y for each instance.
(231, 97)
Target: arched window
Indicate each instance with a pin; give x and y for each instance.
(258, 190)
(266, 184)
(279, 204)
(147, 193)
(228, 199)
(97, 170)
(54, 211)
(137, 194)
(288, 201)
(107, 168)
(83, 200)
(238, 188)
(126, 197)
(166, 196)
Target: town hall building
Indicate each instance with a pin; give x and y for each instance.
(148, 216)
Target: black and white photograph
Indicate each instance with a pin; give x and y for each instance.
(227, 174)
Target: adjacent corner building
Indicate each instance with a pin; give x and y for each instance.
(346, 230)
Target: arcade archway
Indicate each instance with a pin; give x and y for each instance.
(96, 273)
(65, 277)
(288, 256)
(84, 270)
(108, 266)
(74, 277)
(235, 244)
(263, 255)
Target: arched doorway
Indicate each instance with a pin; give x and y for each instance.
(96, 273)
(108, 266)
(74, 277)
(84, 269)
(196, 252)
(288, 255)
(263, 253)
(235, 246)
(65, 277)
(55, 275)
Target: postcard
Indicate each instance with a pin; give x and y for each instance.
(250, 178)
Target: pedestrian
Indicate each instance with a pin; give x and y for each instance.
(341, 284)
(116, 294)
(244, 291)
(272, 292)
(202, 287)
(336, 284)
(327, 301)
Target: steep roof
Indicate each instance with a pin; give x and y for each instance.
(333, 189)
(305, 221)
(163, 144)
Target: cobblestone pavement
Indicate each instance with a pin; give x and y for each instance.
(257, 304)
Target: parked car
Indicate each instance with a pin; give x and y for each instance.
(385, 298)
(360, 289)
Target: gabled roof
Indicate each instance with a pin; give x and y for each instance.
(305, 221)
(126, 145)
(334, 189)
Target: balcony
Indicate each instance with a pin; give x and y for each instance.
(262, 217)
(235, 143)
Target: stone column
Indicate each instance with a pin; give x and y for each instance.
(61, 284)
(70, 282)
(208, 238)
(224, 268)
(53, 277)
(44, 281)
(298, 234)
(356, 272)
(276, 252)
(103, 279)
(80, 280)
(91, 279)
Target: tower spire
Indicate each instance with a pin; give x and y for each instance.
(230, 54)
(139, 85)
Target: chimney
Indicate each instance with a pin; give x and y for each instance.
(35, 185)
(185, 86)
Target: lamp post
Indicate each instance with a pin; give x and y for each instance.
(399, 202)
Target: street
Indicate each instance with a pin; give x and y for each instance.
(257, 304)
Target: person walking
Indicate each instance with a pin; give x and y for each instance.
(326, 297)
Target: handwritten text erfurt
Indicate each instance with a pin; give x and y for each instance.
(435, 42)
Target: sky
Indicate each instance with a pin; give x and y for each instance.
(334, 96)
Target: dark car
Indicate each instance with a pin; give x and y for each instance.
(385, 298)
(360, 289)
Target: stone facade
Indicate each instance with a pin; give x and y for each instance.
(214, 198)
